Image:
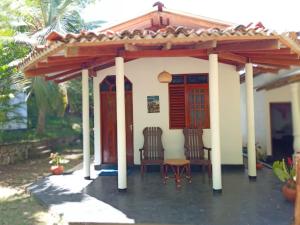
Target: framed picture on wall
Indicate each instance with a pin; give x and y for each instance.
(153, 104)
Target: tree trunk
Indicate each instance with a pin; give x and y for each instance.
(41, 121)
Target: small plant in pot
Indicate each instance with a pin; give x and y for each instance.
(286, 172)
(260, 156)
(56, 161)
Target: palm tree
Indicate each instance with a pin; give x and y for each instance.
(31, 21)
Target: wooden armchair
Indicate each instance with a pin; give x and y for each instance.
(195, 149)
(152, 152)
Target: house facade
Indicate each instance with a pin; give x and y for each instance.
(273, 98)
(143, 75)
(203, 57)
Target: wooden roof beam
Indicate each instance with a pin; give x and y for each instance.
(279, 83)
(53, 69)
(163, 53)
(278, 62)
(281, 51)
(65, 73)
(206, 45)
(249, 46)
(61, 58)
(233, 57)
(67, 78)
(62, 62)
(269, 56)
(89, 51)
(167, 46)
(131, 47)
(43, 71)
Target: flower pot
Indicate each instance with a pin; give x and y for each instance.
(57, 170)
(259, 166)
(289, 193)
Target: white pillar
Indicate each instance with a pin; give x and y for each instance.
(250, 122)
(121, 131)
(296, 118)
(97, 126)
(215, 122)
(86, 123)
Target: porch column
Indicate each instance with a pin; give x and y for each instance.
(296, 118)
(250, 122)
(121, 132)
(215, 122)
(97, 139)
(85, 123)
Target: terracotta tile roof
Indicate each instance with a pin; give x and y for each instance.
(56, 41)
(169, 31)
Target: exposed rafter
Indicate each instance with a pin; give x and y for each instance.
(233, 57)
(89, 51)
(248, 46)
(279, 62)
(280, 82)
(67, 78)
(65, 73)
(163, 53)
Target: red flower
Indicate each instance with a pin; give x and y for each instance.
(289, 161)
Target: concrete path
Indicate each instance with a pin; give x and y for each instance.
(64, 196)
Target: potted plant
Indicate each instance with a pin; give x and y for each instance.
(56, 161)
(286, 173)
(260, 155)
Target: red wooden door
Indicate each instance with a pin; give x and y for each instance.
(109, 123)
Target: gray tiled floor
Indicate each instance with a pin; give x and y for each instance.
(148, 200)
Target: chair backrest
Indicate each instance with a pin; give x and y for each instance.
(193, 143)
(153, 148)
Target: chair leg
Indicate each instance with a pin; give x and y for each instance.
(162, 171)
(142, 169)
(209, 173)
(203, 172)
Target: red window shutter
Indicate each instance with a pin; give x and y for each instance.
(177, 106)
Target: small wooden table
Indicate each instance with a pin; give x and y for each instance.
(178, 166)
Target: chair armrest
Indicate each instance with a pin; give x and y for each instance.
(208, 149)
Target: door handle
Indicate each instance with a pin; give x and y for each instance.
(131, 127)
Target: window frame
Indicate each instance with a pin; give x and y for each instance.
(188, 86)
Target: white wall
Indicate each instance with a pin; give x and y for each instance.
(143, 75)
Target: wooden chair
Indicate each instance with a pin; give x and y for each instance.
(152, 152)
(195, 149)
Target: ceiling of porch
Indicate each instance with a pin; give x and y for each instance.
(63, 57)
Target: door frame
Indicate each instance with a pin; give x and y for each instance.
(131, 160)
(270, 116)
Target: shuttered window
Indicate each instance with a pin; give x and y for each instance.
(189, 101)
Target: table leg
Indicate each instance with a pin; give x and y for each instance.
(188, 173)
(177, 176)
(165, 169)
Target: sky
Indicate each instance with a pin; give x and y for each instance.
(277, 15)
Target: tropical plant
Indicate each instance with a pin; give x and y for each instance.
(10, 92)
(56, 159)
(29, 21)
(285, 172)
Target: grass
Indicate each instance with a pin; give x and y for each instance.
(16, 206)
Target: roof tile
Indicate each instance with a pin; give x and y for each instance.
(55, 39)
